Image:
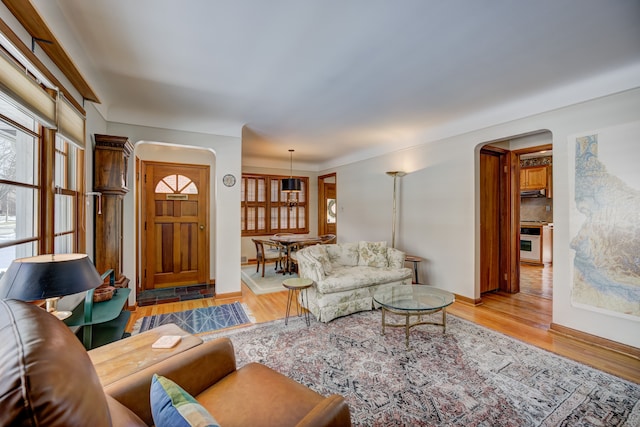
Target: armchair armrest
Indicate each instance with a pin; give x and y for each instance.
(194, 370)
(332, 411)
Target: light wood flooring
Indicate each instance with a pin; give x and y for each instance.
(525, 316)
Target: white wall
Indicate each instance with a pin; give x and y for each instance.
(438, 204)
(225, 203)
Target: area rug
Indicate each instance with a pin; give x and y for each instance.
(271, 282)
(198, 320)
(470, 376)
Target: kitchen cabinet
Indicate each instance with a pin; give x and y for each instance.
(534, 178)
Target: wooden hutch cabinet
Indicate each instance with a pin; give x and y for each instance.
(111, 158)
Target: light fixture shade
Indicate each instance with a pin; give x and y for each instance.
(291, 185)
(48, 276)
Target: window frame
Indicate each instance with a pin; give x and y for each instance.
(269, 206)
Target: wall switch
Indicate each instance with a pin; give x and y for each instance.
(548, 208)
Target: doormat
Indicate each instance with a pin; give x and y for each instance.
(177, 294)
(199, 320)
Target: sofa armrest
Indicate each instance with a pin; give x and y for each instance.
(309, 267)
(332, 411)
(194, 370)
(395, 258)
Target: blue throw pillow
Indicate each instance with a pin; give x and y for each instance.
(171, 406)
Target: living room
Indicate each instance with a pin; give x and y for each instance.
(438, 206)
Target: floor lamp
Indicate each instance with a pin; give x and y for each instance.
(395, 175)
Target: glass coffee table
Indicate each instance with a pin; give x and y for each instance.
(413, 300)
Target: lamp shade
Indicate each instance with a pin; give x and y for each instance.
(48, 276)
(291, 185)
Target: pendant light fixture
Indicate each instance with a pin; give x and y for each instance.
(291, 184)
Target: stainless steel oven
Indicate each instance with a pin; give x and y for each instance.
(530, 244)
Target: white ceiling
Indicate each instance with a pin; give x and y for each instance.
(341, 80)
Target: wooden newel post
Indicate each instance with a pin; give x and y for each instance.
(111, 158)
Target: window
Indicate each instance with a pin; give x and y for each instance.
(29, 224)
(42, 139)
(267, 210)
(19, 185)
(66, 196)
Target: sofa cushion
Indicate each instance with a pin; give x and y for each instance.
(323, 257)
(373, 254)
(257, 396)
(47, 376)
(172, 406)
(347, 278)
(343, 253)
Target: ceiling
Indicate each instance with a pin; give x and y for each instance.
(339, 81)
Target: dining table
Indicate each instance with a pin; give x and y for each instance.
(289, 241)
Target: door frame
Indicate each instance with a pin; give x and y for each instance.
(141, 189)
(321, 197)
(510, 231)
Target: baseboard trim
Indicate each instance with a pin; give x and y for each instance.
(466, 300)
(229, 295)
(595, 340)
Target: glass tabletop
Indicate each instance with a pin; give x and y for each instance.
(414, 298)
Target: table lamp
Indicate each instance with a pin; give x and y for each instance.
(49, 277)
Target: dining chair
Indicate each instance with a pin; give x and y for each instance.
(327, 238)
(267, 251)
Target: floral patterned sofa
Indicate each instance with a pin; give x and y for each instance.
(347, 275)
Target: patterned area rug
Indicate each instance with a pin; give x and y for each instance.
(470, 376)
(271, 282)
(198, 320)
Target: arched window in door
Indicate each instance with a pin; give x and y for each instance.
(176, 184)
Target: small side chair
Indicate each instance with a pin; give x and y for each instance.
(267, 251)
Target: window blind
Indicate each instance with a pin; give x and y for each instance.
(19, 88)
(22, 91)
(71, 123)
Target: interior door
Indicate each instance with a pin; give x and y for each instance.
(175, 215)
(491, 177)
(327, 205)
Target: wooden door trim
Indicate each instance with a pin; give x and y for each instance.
(322, 214)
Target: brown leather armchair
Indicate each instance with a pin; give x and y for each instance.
(47, 378)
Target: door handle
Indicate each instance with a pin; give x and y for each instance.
(202, 227)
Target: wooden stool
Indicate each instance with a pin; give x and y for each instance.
(415, 260)
(295, 286)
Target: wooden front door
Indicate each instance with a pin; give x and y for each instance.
(175, 213)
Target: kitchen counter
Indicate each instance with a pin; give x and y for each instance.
(535, 224)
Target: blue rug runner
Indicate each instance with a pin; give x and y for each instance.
(198, 320)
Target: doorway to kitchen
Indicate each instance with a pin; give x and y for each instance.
(517, 285)
(536, 218)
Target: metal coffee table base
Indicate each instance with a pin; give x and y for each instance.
(407, 325)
